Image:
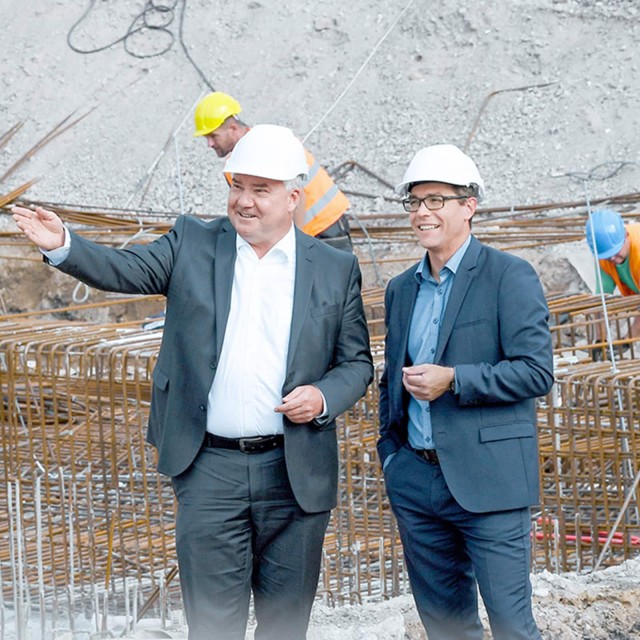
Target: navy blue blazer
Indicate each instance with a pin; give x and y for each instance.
(495, 333)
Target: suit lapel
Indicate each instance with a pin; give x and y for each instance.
(305, 269)
(223, 279)
(407, 300)
(461, 283)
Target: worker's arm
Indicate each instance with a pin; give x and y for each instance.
(605, 283)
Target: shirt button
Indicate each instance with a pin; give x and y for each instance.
(433, 350)
(212, 365)
(202, 407)
(435, 321)
(439, 292)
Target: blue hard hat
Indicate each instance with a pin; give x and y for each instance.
(607, 227)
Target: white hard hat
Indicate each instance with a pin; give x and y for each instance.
(268, 151)
(442, 163)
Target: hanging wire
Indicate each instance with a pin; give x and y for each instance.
(155, 18)
(146, 178)
(599, 287)
(360, 70)
(594, 175)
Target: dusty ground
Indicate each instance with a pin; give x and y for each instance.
(599, 606)
(567, 84)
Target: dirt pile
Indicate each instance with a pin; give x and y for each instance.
(598, 606)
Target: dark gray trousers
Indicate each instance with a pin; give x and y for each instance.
(240, 530)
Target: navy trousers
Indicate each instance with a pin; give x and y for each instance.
(239, 530)
(451, 553)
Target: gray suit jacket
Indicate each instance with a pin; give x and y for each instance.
(193, 267)
(495, 333)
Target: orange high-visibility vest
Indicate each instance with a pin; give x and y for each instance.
(634, 262)
(324, 202)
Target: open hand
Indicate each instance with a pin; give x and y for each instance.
(42, 227)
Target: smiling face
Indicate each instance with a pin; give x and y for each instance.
(442, 232)
(261, 210)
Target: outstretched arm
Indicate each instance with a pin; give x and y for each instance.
(42, 227)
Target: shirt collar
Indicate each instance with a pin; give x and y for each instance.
(285, 247)
(452, 264)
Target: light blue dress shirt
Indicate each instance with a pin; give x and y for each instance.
(424, 331)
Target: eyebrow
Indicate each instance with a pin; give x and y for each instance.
(253, 185)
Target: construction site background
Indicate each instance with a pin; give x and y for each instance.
(536, 92)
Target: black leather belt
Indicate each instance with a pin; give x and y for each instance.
(429, 455)
(256, 444)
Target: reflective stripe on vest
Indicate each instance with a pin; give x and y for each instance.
(324, 202)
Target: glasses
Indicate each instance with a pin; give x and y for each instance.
(433, 203)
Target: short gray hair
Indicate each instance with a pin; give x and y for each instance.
(295, 183)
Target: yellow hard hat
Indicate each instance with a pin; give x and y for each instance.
(213, 110)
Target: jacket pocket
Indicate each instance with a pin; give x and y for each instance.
(160, 379)
(507, 431)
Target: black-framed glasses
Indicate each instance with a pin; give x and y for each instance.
(434, 202)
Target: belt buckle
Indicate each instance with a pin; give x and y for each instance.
(430, 456)
(250, 445)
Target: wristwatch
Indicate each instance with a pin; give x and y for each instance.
(452, 386)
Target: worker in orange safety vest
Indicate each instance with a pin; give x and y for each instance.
(617, 248)
(322, 207)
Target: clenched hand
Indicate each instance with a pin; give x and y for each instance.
(303, 404)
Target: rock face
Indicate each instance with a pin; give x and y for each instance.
(540, 92)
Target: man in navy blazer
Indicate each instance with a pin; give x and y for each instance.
(265, 343)
(467, 352)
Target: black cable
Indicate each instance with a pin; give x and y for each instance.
(600, 172)
(184, 48)
(156, 16)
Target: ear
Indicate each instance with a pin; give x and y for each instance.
(293, 199)
(470, 205)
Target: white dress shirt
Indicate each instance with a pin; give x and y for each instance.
(253, 362)
(252, 366)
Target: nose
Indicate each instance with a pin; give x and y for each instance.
(245, 200)
(422, 209)
(210, 142)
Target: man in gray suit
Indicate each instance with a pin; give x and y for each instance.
(265, 343)
(468, 350)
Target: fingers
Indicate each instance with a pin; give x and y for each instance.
(45, 214)
(42, 227)
(20, 213)
(426, 382)
(302, 405)
(416, 369)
